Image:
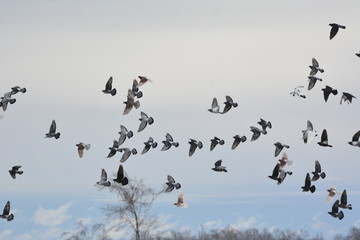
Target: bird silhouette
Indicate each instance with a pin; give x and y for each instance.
(124, 133)
(346, 97)
(15, 170)
(279, 147)
(327, 91)
(218, 167)
(135, 89)
(215, 108)
(215, 141)
(193, 145)
(312, 81)
(6, 212)
(149, 144)
(324, 139)
(103, 179)
(144, 120)
(308, 187)
(309, 130)
(315, 67)
(169, 141)
(317, 173)
(264, 124)
(355, 140)
(297, 93)
(80, 148)
(237, 140)
(120, 177)
(335, 211)
(52, 131)
(108, 87)
(130, 103)
(229, 103)
(334, 29)
(171, 184)
(127, 153)
(256, 133)
(343, 201)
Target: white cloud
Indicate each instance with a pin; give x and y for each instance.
(51, 217)
(212, 224)
(243, 223)
(4, 234)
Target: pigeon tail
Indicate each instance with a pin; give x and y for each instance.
(113, 92)
(57, 135)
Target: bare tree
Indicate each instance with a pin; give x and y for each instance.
(133, 209)
(86, 232)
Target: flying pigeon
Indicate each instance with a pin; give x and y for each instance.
(171, 184)
(237, 140)
(317, 173)
(279, 147)
(355, 139)
(52, 131)
(332, 192)
(327, 91)
(135, 89)
(80, 147)
(308, 187)
(346, 97)
(14, 171)
(6, 212)
(5, 100)
(312, 81)
(343, 201)
(115, 148)
(282, 176)
(215, 108)
(193, 145)
(335, 211)
(296, 92)
(144, 121)
(16, 89)
(169, 141)
(215, 141)
(143, 80)
(124, 133)
(127, 153)
(229, 104)
(275, 173)
(180, 201)
(315, 67)
(103, 179)
(130, 102)
(334, 29)
(218, 167)
(264, 124)
(108, 87)
(324, 139)
(284, 161)
(121, 176)
(256, 133)
(306, 133)
(149, 144)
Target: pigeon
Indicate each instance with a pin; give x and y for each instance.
(357, 54)
(284, 161)
(308, 185)
(180, 201)
(144, 121)
(149, 144)
(315, 67)
(317, 173)
(331, 195)
(324, 139)
(237, 140)
(355, 139)
(120, 178)
(193, 145)
(124, 133)
(343, 201)
(327, 91)
(171, 184)
(312, 81)
(5, 100)
(52, 131)
(346, 97)
(16, 89)
(103, 179)
(115, 148)
(306, 133)
(215, 108)
(135, 89)
(215, 141)
(127, 153)
(282, 176)
(256, 133)
(275, 173)
(108, 87)
(334, 29)
(6, 212)
(168, 142)
(279, 147)
(218, 167)
(264, 124)
(15, 170)
(229, 104)
(335, 211)
(130, 102)
(296, 92)
(143, 80)
(80, 147)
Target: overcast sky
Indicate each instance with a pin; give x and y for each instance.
(63, 52)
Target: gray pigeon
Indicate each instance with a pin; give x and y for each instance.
(306, 133)
(103, 179)
(317, 173)
(315, 67)
(343, 201)
(312, 81)
(215, 141)
(120, 177)
(114, 149)
(15, 170)
(264, 124)
(124, 133)
(279, 147)
(327, 91)
(335, 211)
(127, 153)
(308, 187)
(346, 97)
(215, 108)
(144, 121)
(324, 139)
(171, 184)
(130, 103)
(16, 89)
(149, 144)
(334, 29)
(282, 176)
(5, 100)
(256, 133)
(229, 104)
(135, 89)
(6, 212)
(52, 131)
(218, 167)
(193, 145)
(355, 139)
(108, 87)
(169, 141)
(237, 140)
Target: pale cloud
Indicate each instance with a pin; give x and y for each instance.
(5, 234)
(51, 217)
(243, 223)
(212, 224)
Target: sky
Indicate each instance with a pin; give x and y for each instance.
(255, 51)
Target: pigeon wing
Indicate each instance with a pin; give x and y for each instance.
(333, 31)
(103, 175)
(6, 210)
(324, 137)
(170, 179)
(317, 166)
(356, 136)
(315, 63)
(52, 127)
(218, 163)
(343, 198)
(108, 85)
